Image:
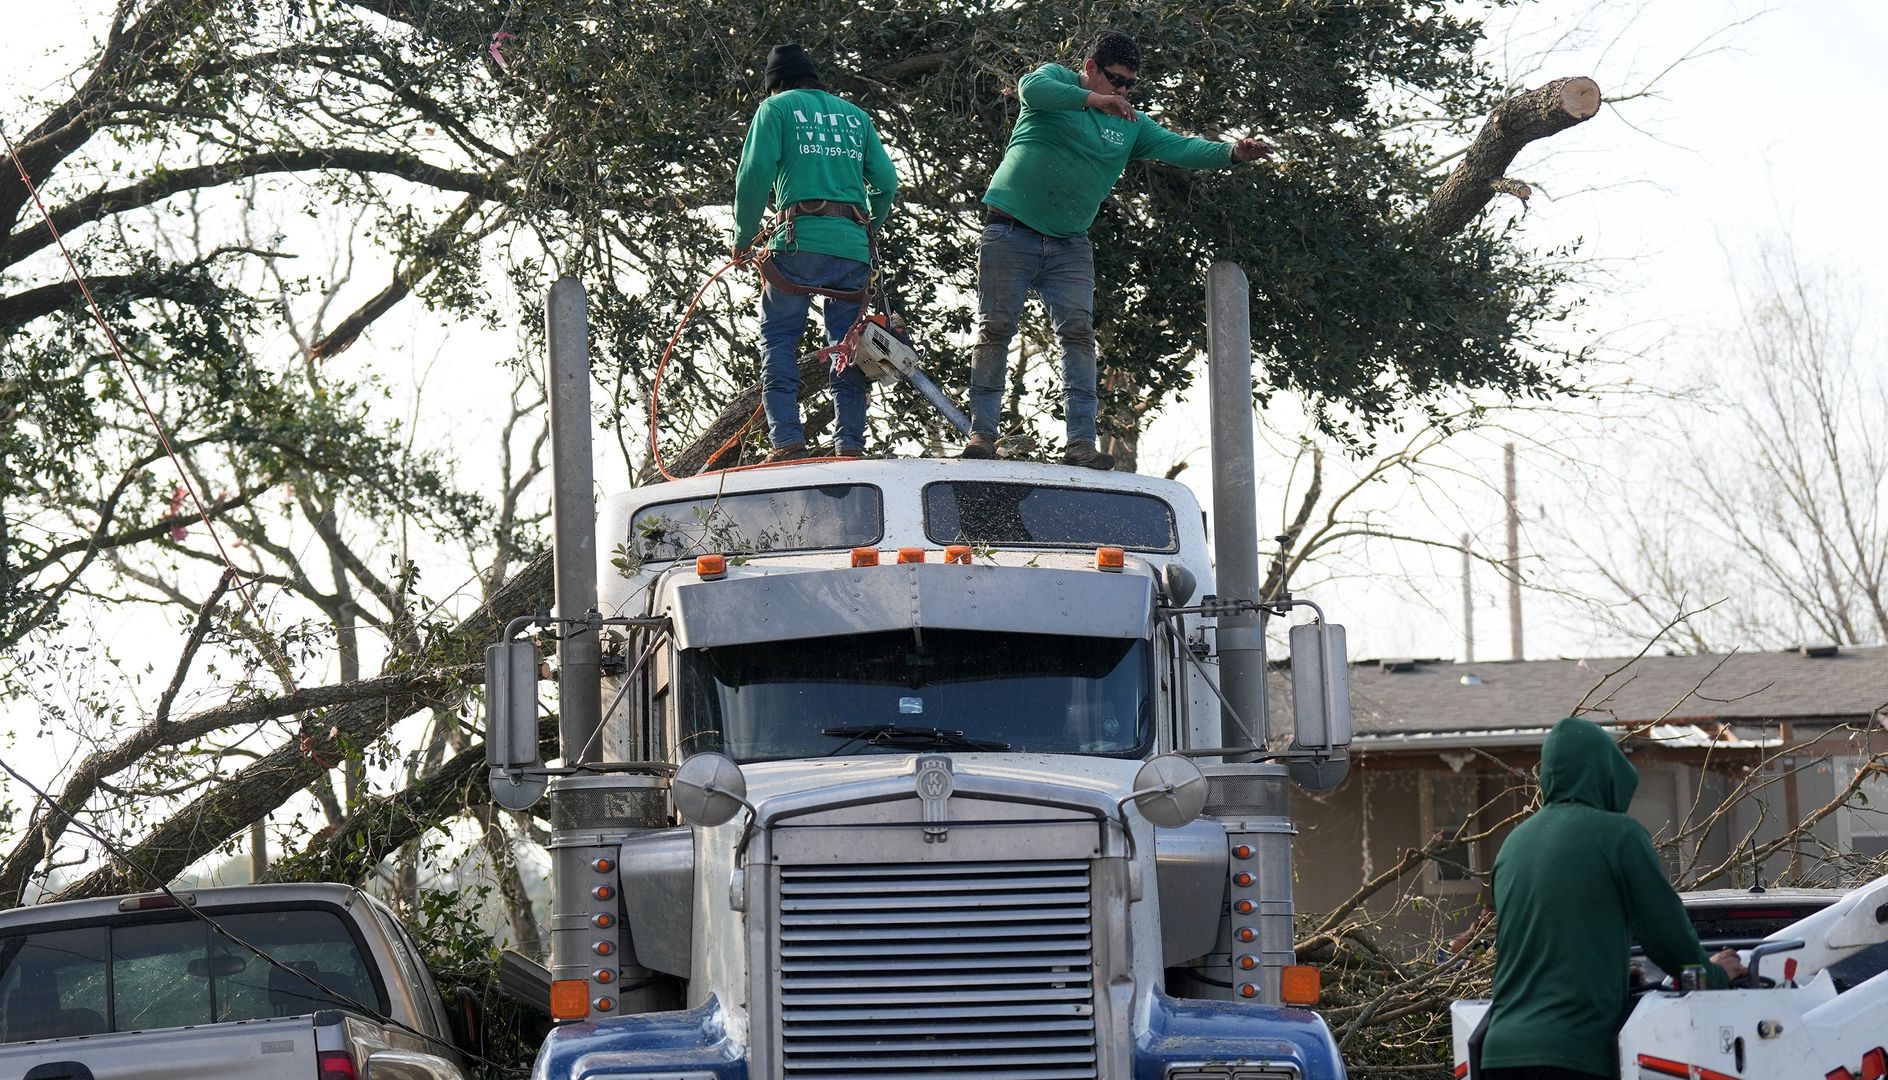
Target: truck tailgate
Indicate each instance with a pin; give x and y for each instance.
(279, 1048)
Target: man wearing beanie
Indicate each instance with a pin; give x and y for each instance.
(820, 160)
(1073, 139)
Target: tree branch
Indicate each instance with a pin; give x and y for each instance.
(1514, 123)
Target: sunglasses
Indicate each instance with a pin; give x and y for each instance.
(1119, 82)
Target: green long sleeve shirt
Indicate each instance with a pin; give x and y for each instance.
(1573, 885)
(1064, 157)
(808, 144)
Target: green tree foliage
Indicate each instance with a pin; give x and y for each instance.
(485, 145)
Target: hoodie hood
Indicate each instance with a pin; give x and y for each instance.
(1580, 763)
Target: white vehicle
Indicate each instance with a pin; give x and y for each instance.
(887, 768)
(136, 986)
(1799, 1028)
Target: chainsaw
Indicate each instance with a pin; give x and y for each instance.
(884, 352)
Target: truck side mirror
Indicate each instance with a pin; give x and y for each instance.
(709, 789)
(1320, 687)
(1170, 791)
(511, 724)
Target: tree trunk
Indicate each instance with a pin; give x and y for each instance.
(1514, 123)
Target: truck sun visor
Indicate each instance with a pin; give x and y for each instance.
(832, 603)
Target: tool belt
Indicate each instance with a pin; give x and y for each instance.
(817, 208)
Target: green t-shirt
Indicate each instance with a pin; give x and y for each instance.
(808, 144)
(1573, 884)
(1064, 157)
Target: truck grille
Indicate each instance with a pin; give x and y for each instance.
(906, 971)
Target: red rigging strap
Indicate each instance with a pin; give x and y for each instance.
(243, 590)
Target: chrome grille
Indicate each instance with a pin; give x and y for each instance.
(906, 971)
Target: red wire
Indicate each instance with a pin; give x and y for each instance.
(655, 390)
(655, 393)
(157, 425)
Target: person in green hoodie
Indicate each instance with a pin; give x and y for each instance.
(1574, 885)
(818, 157)
(1073, 139)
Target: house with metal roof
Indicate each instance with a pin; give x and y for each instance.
(1731, 749)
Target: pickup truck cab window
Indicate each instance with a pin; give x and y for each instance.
(899, 691)
(1034, 515)
(176, 972)
(791, 519)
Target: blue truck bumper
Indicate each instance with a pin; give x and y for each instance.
(1180, 1033)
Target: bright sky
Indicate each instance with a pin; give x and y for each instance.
(1755, 137)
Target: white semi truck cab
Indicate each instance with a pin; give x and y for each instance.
(921, 768)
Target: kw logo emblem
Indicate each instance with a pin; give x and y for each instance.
(934, 791)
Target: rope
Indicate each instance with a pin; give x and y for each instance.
(655, 390)
(163, 437)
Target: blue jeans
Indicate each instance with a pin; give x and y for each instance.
(783, 324)
(1011, 261)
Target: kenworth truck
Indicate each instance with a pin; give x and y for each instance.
(920, 768)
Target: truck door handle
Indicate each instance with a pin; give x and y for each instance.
(58, 1070)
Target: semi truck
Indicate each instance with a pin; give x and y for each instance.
(921, 768)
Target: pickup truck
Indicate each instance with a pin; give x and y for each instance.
(138, 986)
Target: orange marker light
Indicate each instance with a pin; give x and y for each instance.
(711, 567)
(1247, 990)
(1299, 984)
(605, 1003)
(1242, 851)
(603, 921)
(603, 892)
(603, 975)
(864, 556)
(957, 553)
(603, 866)
(1243, 907)
(1248, 962)
(1242, 879)
(1244, 933)
(1111, 559)
(570, 999)
(910, 555)
(603, 948)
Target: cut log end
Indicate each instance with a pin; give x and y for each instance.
(1580, 97)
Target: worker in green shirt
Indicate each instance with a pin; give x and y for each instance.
(1075, 136)
(1573, 885)
(819, 159)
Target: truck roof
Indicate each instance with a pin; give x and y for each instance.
(222, 896)
(891, 504)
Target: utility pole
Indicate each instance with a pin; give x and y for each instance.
(1514, 557)
(1468, 604)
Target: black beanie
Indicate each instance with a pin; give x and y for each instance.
(788, 62)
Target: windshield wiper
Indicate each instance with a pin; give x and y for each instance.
(907, 738)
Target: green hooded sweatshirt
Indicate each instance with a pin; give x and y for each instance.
(1573, 885)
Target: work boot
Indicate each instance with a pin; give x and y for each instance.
(849, 450)
(981, 447)
(1085, 455)
(795, 451)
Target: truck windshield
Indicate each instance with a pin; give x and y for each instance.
(902, 691)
